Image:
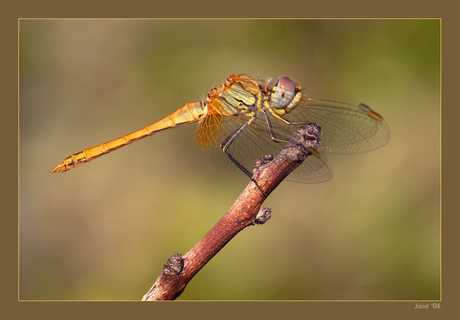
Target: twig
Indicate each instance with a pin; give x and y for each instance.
(246, 211)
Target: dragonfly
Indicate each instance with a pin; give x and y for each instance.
(245, 118)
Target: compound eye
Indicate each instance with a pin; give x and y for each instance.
(284, 93)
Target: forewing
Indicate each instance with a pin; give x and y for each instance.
(347, 127)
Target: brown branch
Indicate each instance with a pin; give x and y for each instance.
(246, 211)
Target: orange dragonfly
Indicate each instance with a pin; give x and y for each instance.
(244, 119)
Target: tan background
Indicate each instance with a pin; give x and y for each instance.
(104, 230)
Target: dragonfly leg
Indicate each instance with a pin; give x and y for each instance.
(280, 118)
(287, 122)
(270, 129)
(275, 139)
(229, 140)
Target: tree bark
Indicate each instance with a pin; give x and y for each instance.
(246, 211)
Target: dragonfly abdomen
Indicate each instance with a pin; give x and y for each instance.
(97, 151)
(191, 112)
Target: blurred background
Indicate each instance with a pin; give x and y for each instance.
(103, 231)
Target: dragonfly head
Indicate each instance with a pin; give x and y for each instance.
(285, 96)
(283, 93)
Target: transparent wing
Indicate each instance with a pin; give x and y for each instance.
(254, 143)
(346, 127)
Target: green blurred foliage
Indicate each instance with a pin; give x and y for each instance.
(104, 230)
